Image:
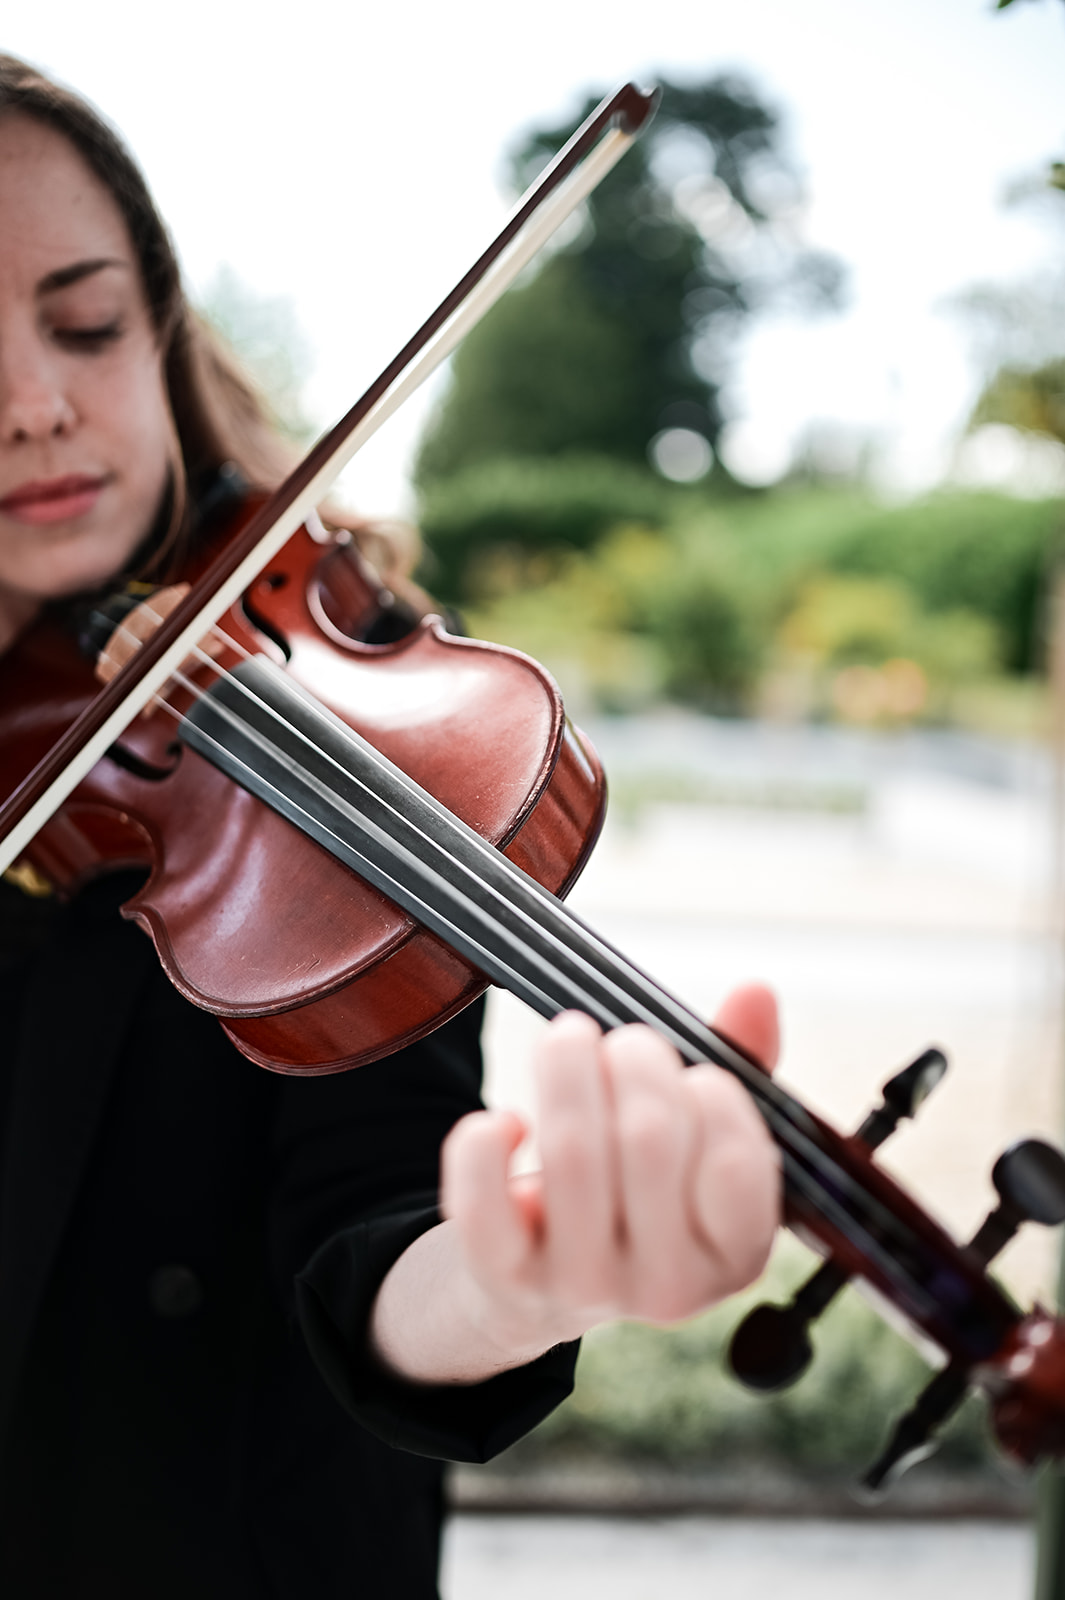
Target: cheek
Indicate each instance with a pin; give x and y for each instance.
(142, 446)
(125, 430)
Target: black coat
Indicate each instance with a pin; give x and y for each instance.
(188, 1245)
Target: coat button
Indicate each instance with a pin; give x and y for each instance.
(175, 1291)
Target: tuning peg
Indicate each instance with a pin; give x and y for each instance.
(913, 1438)
(1030, 1180)
(771, 1348)
(903, 1096)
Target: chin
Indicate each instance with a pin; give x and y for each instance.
(82, 571)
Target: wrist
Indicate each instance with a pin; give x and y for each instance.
(434, 1323)
(517, 1327)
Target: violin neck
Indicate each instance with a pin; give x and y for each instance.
(278, 742)
(271, 737)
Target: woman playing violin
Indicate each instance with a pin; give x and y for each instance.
(189, 1246)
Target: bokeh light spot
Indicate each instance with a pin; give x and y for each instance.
(681, 454)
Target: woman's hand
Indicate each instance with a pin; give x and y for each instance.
(657, 1196)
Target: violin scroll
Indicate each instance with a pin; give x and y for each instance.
(1027, 1383)
(1024, 1378)
(1027, 1389)
(771, 1348)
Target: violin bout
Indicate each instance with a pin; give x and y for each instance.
(309, 968)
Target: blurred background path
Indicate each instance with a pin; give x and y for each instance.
(689, 1558)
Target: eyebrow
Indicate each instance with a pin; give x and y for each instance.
(63, 277)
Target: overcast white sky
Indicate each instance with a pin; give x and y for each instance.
(349, 157)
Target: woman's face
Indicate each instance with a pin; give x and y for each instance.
(86, 436)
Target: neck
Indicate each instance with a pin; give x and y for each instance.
(17, 611)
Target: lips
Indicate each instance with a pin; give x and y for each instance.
(54, 499)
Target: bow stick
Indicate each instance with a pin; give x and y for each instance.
(598, 144)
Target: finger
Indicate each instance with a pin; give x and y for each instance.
(475, 1193)
(735, 1179)
(749, 1019)
(526, 1192)
(655, 1141)
(579, 1184)
(136, 627)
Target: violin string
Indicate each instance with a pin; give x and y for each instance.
(159, 700)
(234, 644)
(249, 731)
(822, 1187)
(479, 950)
(330, 795)
(269, 746)
(758, 1080)
(537, 997)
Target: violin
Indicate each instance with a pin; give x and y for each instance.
(345, 842)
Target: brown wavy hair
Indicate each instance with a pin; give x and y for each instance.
(219, 414)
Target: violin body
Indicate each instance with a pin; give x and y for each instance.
(480, 727)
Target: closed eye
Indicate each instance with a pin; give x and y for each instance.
(89, 338)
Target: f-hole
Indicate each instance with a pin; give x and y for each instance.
(147, 770)
(263, 625)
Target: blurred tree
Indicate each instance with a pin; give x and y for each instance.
(626, 329)
(1031, 400)
(1018, 329)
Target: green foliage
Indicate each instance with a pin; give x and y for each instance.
(665, 1395)
(1032, 400)
(550, 370)
(620, 333)
(579, 622)
(504, 516)
(986, 554)
(704, 617)
(642, 614)
(975, 551)
(708, 600)
(840, 620)
(872, 654)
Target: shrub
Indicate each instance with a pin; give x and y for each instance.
(817, 598)
(498, 516)
(982, 553)
(704, 620)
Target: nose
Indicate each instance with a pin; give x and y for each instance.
(34, 406)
